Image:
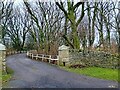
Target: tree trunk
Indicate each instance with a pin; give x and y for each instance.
(76, 41)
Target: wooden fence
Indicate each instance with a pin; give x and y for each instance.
(47, 58)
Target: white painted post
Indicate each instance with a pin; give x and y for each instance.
(32, 56)
(42, 57)
(37, 57)
(49, 58)
(58, 60)
(27, 53)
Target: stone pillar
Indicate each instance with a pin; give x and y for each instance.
(3, 56)
(63, 55)
(2, 61)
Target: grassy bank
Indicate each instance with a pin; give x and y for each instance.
(102, 73)
(7, 77)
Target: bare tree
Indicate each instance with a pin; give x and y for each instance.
(6, 8)
(70, 14)
(18, 27)
(47, 19)
(91, 20)
(36, 21)
(116, 26)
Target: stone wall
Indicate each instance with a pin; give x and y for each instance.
(94, 58)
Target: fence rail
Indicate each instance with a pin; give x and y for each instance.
(48, 58)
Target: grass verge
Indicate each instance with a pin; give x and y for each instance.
(7, 77)
(97, 72)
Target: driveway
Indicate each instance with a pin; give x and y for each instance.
(35, 74)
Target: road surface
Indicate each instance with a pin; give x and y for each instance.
(35, 74)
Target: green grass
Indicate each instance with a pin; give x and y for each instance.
(102, 73)
(6, 77)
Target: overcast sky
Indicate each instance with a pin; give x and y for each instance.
(19, 1)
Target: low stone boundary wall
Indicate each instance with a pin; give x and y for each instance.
(94, 58)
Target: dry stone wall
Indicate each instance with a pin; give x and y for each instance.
(94, 58)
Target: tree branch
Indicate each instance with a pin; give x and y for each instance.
(77, 5)
(82, 15)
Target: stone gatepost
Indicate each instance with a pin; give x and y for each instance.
(63, 55)
(3, 56)
(2, 61)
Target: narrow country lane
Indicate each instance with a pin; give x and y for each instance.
(33, 74)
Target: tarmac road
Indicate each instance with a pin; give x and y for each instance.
(35, 74)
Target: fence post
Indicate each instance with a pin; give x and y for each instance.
(58, 60)
(37, 57)
(42, 57)
(49, 58)
(32, 55)
(27, 54)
